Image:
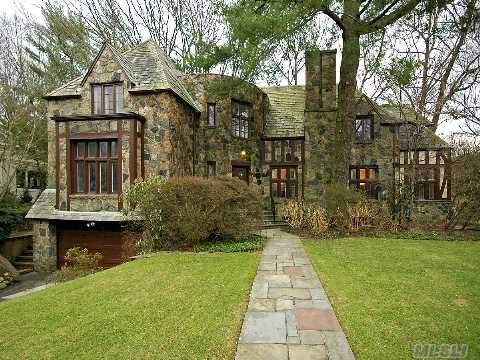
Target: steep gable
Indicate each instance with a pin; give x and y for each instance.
(145, 66)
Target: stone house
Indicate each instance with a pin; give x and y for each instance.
(134, 115)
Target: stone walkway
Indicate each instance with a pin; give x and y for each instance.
(28, 283)
(289, 316)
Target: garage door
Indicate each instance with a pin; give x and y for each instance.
(105, 238)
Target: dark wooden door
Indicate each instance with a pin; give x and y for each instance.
(241, 172)
(105, 238)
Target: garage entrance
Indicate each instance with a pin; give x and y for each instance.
(105, 238)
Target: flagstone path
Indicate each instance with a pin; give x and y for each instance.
(289, 316)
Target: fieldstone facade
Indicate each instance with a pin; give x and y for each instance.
(163, 122)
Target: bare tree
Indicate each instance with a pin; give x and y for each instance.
(22, 126)
(436, 56)
(185, 29)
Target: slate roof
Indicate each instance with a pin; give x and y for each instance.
(44, 208)
(286, 113)
(146, 66)
(420, 137)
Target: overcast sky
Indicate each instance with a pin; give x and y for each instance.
(10, 7)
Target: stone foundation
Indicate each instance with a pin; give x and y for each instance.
(44, 246)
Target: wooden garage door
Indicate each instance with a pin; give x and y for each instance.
(105, 238)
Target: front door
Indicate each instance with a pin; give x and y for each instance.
(284, 181)
(241, 172)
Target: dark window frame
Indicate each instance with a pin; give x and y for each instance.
(270, 154)
(214, 105)
(114, 86)
(363, 138)
(239, 121)
(212, 164)
(370, 185)
(288, 181)
(97, 159)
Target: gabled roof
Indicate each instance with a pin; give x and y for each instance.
(414, 133)
(70, 89)
(126, 66)
(154, 70)
(286, 112)
(146, 66)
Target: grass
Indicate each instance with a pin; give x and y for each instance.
(168, 306)
(391, 294)
(246, 244)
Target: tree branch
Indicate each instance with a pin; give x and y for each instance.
(385, 20)
(332, 15)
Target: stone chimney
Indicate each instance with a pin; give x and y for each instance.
(320, 116)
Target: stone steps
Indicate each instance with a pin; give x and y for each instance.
(24, 261)
(269, 222)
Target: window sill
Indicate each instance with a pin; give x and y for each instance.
(93, 196)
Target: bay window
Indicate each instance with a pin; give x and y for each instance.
(95, 167)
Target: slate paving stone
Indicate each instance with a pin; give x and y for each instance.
(316, 319)
(291, 324)
(307, 352)
(261, 305)
(259, 290)
(289, 293)
(278, 280)
(284, 304)
(267, 267)
(311, 337)
(338, 347)
(293, 340)
(264, 328)
(306, 283)
(313, 304)
(262, 352)
(300, 261)
(318, 294)
(293, 270)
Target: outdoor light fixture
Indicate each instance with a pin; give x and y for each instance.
(243, 154)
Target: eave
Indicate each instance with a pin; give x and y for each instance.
(93, 117)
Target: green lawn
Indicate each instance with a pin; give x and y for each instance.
(170, 306)
(391, 294)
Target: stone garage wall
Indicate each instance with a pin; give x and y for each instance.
(44, 246)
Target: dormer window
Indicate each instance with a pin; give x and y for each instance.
(364, 128)
(107, 98)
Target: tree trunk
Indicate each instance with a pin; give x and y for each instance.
(347, 104)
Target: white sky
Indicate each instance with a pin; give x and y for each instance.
(11, 7)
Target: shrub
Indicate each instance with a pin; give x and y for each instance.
(337, 201)
(294, 213)
(9, 220)
(349, 216)
(184, 211)
(244, 244)
(306, 216)
(78, 262)
(316, 220)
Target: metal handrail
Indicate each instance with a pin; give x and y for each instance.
(272, 206)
